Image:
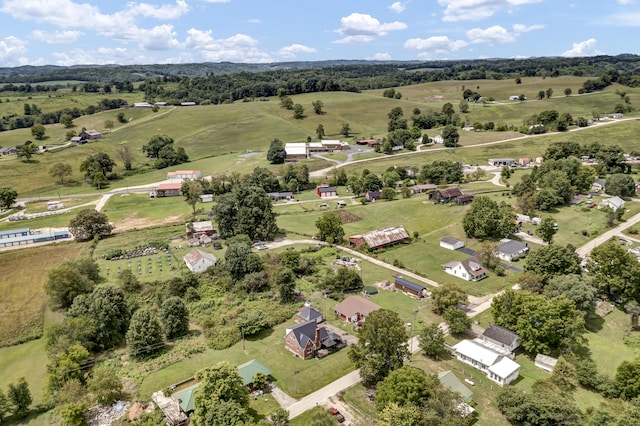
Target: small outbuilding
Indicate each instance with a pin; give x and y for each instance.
(410, 287)
(326, 191)
(451, 243)
(501, 337)
(307, 314)
(546, 362)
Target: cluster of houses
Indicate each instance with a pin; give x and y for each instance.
(24, 237)
(303, 150)
(512, 162)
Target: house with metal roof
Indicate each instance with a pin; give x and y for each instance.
(501, 337)
(249, 369)
(199, 261)
(307, 314)
(451, 243)
(469, 269)
(497, 367)
(614, 203)
(410, 287)
(511, 250)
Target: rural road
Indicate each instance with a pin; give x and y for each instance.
(585, 250)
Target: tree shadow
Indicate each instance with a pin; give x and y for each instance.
(594, 323)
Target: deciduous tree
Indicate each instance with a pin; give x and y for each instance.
(487, 219)
(578, 288)
(60, 171)
(381, 347)
(88, 224)
(457, 320)
(432, 341)
(7, 197)
(621, 185)
(20, 396)
(450, 136)
(105, 384)
(26, 150)
(446, 296)
(628, 379)
(330, 227)
(246, 210)
(616, 272)
(276, 153)
(38, 131)
(174, 317)
(547, 229)
(144, 336)
(65, 283)
(550, 261)
(317, 106)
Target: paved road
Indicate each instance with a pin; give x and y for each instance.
(585, 250)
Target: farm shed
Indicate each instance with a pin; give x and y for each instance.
(380, 237)
(451, 243)
(410, 287)
(546, 362)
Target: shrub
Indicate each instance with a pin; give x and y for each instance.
(500, 271)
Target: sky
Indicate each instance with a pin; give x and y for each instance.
(73, 32)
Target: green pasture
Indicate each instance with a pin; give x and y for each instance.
(41, 206)
(268, 348)
(28, 360)
(130, 211)
(23, 274)
(53, 221)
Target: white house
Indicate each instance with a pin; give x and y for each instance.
(498, 368)
(451, 243)
(510, 250)
(198, 261)
(614, 202)
(468, 269)
(180, 175)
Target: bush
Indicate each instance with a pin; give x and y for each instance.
(500, 271)
(634, 231)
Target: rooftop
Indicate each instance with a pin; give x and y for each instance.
(448, 379)
(353, 305)
(382, 237)
(410, 285)
(511, 246)
(501, 334)
(195, 255)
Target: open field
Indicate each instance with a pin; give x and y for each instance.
(132, 211)
(53, 221)
(23, 274)
(41, 206)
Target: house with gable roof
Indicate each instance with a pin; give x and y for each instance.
(614, 203)
(498, 368)
(307, 338)
(307, 314)
(501, 337)
(198, 261)
(510, 250)
(469, 269)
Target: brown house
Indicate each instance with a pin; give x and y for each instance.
(355, 309)
(306, 339)
(380, 237)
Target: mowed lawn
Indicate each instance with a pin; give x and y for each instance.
(28, 360)
(130, 211)
(268, 347)
(23, 274)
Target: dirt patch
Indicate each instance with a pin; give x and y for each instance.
(347, 217)
(133, 222)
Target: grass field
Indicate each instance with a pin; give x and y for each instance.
(23, 274)
(53, 221)
(131, 211)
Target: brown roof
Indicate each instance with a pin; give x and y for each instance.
(353, 305)
(382, 237)
(450, 192)
(169, 186)
(195, 255)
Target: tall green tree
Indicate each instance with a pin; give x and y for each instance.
(627, 379)
(246, 210)
(156, 144)
(105, 384)
(144, 336)
(457, 320)
(20, 396)
(446, 296)
(239, 260)
(298, 111)
(486, 219)
(174, 317)
(616, 272)
(38, 131)
(578, 288)
(191, 191)
(450, 136)
(26, 150)
(547, 229)
(550, 261)
(432, 341)
(276, 153)
(621, 185)
(8, 196)
(317, 107)
(66, 366)
(65, 283)
(89, 223)
(5, 406)
(60, 171)
(320, 131)
(381, 347)
(218, 384)
(330, 228)
(125, 154)
(404, 386)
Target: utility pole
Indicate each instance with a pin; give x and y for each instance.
(243, 347)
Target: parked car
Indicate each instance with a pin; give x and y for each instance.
(338, 415)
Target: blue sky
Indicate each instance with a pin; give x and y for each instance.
(71, 32)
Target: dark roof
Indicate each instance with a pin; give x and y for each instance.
(465, 198)
(512, 247)
(304, 332)
(373, 194)
(410, 285)
(327, 189)
(309, 314)
(500, 334)
(450, 240)
(473, 266)
(450, 192)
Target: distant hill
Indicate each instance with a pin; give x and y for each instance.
(492, 68)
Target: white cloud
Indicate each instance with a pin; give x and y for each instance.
(398, 7)
(583, 48)
(381, 57)
(291, 50)
(165, 11)
(12, 50)
(254, 21)
(363, 28)
(56, 37)
(161, 37)
(476, 10)
(216, 1)
(625, 2)
(491, 35)
(237, 48)
(519, 28)
(627, 19)
(436, 44)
